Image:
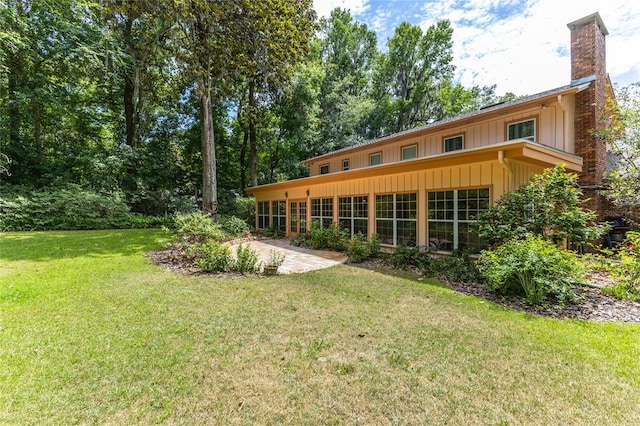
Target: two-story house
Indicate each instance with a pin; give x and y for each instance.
(425, 186)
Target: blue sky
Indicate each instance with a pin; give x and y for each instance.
(522, 46)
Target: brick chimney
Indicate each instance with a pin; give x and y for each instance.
(588, 64)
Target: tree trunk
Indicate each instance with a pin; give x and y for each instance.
(253, 149)
(209, 183)
(14, 71)
(243, 160)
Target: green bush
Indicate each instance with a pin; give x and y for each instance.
(361, 248)
(272, 232)
(198, 225)
(246, 260)
(233, 225)
(457, 267)
(69, 207)
(548, 206)
(534, 268)
(627, 272)
(211, 256)
(404, 256)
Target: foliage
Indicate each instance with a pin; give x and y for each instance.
(198, 225)
(273, 231)
(533, 267)
(404, 256)
(334, 237)
(276, 259)
(627, 272)
(457, 267)
(246, 261)
(68, 207)
(623, 136)
(233, 226)
(547, 206)
(211, 256)
(361, 248)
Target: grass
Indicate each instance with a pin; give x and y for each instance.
(92, 333)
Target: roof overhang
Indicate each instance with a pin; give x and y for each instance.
(544, 98)
(517, 150)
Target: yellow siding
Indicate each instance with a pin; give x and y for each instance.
(488, 174)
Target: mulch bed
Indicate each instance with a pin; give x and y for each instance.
(594, 306)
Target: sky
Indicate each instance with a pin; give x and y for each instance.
(522, 46)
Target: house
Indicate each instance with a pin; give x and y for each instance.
(425, 186)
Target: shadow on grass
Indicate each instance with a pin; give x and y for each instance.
(400, 273)
(49, 245)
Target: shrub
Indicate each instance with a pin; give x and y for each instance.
(211, 256)
(233, 225)
(198, 225)
(548, 206)
(272, 232)
(404, 256)
(361, 248)
(533, 268)
(457, 267)
(627, 271)
(69, 207)
(246, 260)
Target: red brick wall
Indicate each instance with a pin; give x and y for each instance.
(588, 57)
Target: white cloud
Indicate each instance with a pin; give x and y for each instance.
(324, 7)
(528, 53)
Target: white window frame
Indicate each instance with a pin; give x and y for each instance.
(394, 216)
(352, 218)
(345, 165)
(372, 156)
(326, 167)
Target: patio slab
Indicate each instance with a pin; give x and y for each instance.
(298, 259)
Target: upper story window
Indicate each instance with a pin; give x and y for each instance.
(345, 164)
(522, 130)
(454, 143)
(324, 169)
(409, 152)
(375, 159)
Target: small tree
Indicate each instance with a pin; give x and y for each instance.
(623, 136)
(548, 206)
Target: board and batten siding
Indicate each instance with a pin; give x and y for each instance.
(553, 130)
(489, 174)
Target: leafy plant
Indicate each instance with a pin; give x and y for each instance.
(533, 267)
(361, 248)
(212, 256)
(548, 206)
(273, 232)
(233, 225)
(404, 256)
(198, 225)
(246, 260)
(627, 271)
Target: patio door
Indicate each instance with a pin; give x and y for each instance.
(297, 217)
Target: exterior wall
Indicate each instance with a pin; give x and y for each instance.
(553, 122)
(588, 58)
(489, 174)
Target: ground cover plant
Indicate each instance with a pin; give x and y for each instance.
(92, 333)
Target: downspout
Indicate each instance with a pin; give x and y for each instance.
(505, 164)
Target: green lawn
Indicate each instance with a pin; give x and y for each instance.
(92, 333)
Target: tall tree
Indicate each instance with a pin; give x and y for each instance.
(276, 36)
(206, 49)
(411, 74)
(348, 50)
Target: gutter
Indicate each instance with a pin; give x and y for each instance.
(505, 164)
